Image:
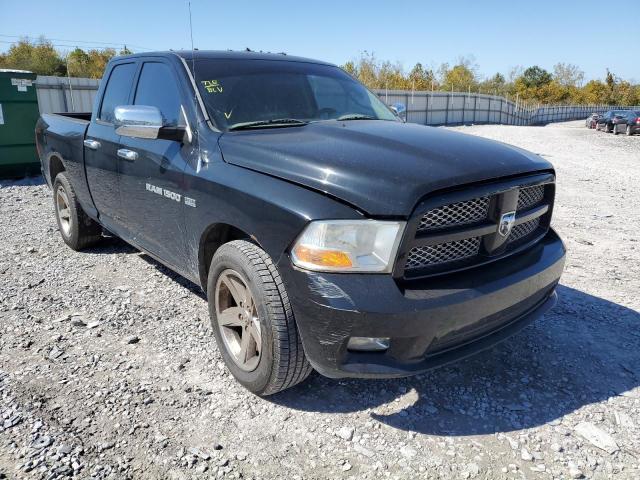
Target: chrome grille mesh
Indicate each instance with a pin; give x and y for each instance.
(524, 229)
(459, 213)
(430, 255)
(454, 219)
(530, 196)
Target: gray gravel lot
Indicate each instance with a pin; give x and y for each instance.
(108, 368)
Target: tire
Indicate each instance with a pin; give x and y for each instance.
(628, 132)
(278, 362)
(76, 228)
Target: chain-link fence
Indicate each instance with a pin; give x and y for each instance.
(457, 108)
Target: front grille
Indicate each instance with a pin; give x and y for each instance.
(530, 197)
(432, 255)
(523, 230)
(440, 244)
(459, 213)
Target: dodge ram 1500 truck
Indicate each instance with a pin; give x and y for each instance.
(326, 232)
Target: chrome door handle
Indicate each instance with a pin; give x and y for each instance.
(92, 144)
(128, 154)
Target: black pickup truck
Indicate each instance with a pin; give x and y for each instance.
(326, 232)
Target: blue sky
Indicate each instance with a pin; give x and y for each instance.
(499, 34)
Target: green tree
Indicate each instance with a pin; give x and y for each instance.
(39, 57)
(625, 94)
(568, 75)
(421, 79)
(458, 78)
(78, 63)
(594, 92)
(610, 79)
(496, 84)
(89, 64)
(535, 77)
(98, 60)
(350, 68)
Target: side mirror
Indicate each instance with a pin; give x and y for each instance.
(142, 121)
(400, 111)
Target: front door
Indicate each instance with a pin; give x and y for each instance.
(151, 178)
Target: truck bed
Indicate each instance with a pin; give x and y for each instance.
(77, 115)
(63, 134)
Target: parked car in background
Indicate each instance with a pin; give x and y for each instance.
(592, 120)
(609, 119)
(628, 124)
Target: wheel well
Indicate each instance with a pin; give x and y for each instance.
(213, 238)
(55, 167)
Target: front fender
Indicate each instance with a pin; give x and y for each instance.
(271, 211)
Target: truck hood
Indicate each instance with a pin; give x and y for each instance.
(381, 167)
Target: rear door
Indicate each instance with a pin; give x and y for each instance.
(101, 145)
(152, 185)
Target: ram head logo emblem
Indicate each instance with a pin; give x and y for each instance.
(506, 223)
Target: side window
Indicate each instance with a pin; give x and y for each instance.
(117, 91)
(157, 88)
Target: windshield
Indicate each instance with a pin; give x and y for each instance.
(277, 93)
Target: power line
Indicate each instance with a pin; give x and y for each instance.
(76, 41)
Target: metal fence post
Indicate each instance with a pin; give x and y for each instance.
(406, 106)
(64, 97)
(426, 112)
(464, 104)
(489, 111)
(446, 117)
(475, 102)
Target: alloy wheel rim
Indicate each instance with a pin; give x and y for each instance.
(64, 213)
(238, 321)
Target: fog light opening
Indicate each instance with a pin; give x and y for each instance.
(368, 344)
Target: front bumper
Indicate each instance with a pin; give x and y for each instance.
(430, 322)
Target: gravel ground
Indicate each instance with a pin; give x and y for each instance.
(108, 368)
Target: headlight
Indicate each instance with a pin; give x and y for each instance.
(348, 246)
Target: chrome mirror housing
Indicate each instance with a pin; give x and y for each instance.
(138, 121)
(400, 110)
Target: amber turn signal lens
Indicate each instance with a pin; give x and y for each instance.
(322, 258)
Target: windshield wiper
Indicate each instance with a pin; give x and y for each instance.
(278, 122)
(356, 116)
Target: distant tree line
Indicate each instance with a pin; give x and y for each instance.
(41, 57)
(533, 84)
(565, 85)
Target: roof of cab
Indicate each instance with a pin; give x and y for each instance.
(229, 55)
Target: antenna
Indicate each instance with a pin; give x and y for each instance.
(195, 92)
(193, 61)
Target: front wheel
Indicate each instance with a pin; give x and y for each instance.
(253, 321)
